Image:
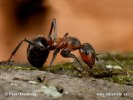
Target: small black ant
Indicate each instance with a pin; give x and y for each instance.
(39, 48)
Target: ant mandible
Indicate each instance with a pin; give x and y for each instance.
(39, 48)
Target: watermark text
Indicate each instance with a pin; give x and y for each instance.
(20, 94)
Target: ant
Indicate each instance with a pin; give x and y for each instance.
(39, 48)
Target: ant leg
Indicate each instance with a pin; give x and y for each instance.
(56, 51)
(53, 26)
(66, 53)
(20, 43)
(65, 35)
(15, 50)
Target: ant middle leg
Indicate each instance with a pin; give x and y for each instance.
(53, 27)
(65, 35)
(56, 51)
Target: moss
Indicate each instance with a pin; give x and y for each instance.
(121, 79)
(121, 76)
(118, 72)
(18, 67)
(65, 68)
(99, 72)
(124, 58)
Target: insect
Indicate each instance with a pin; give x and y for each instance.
(39, 48)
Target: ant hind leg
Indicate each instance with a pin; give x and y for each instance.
(18, 46)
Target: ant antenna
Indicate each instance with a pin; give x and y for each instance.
(111, 56)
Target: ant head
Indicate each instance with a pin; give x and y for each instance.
(86, 49)
(87, 54)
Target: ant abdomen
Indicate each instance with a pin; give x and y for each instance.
(37, 56)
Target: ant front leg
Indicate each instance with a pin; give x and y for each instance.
(20, 43)
(66, 53)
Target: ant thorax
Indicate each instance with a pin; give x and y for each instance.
(60, 43)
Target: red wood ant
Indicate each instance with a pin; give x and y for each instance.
(39, 48)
